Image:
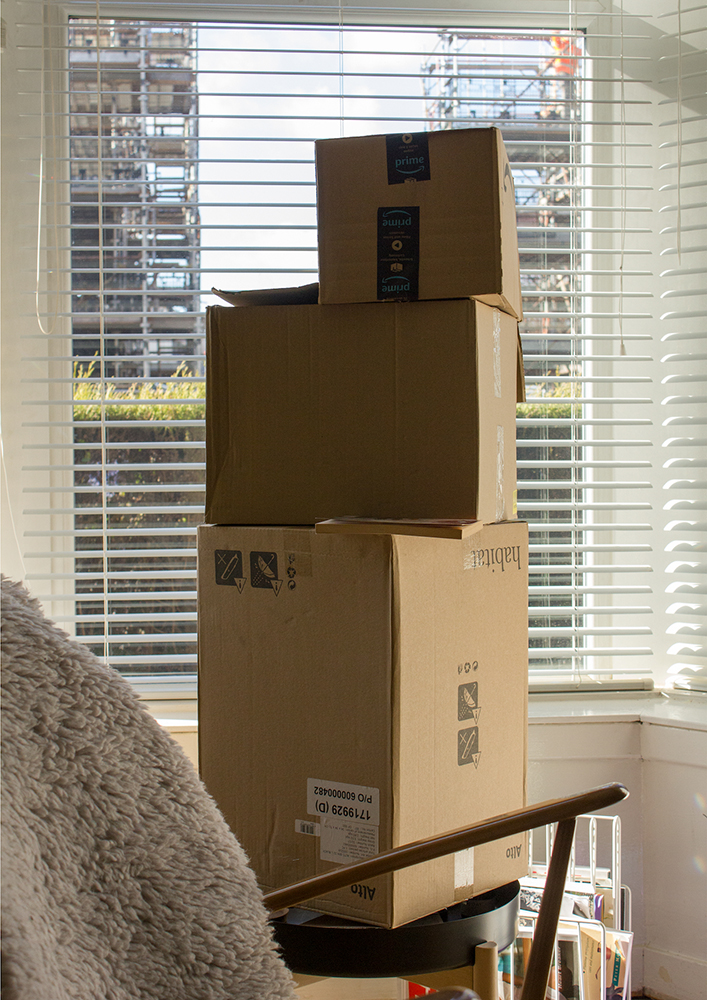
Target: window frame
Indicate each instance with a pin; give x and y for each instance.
(274, 12)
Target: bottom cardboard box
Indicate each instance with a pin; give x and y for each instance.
(358, 692)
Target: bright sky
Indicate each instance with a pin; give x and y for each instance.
(255, 71)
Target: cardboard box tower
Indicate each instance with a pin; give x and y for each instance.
(362, 577)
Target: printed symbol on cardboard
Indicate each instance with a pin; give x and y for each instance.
(263, 571)
(468, 701)
(397, 245)
(291, 584)
(397, 217)
(408, 157)
(396, 285)
(229, 568)
(468, 746)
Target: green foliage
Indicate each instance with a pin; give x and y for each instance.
(555, 403)
(547, 409)
(176, 399)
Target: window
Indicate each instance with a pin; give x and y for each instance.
(204, 176)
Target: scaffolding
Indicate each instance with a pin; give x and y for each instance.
(147, 312)
(536, 104)
(136, 318)
(530, 87)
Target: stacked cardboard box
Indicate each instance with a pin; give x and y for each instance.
(362, 683)
(450, 234)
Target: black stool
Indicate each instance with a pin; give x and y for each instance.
(317, 945)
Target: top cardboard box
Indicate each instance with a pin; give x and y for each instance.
(429, 215)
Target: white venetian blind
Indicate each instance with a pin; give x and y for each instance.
(683, 71)
(204, 176)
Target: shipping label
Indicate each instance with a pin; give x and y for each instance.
(398, 245)
(337, 800)
(344, 842)
(349, 816)
(307, 827)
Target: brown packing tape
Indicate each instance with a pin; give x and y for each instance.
(298, 539)
(501, 512)
(298, 553)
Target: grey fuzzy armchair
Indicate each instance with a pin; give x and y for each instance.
(121, 879)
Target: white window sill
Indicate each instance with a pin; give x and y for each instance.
(177, 710)
(682, 710)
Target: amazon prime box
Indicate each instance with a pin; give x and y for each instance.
(424, 215)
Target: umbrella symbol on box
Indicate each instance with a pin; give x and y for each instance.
(468, 701)
(263, 571)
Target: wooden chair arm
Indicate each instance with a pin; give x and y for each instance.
(564, 812)
(496, 828)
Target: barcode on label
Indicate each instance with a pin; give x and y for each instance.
(307, 827)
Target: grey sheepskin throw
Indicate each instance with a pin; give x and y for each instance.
(120, 878)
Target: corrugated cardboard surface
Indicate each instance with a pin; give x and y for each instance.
(365, 665)
(372, 410)
(468, 242)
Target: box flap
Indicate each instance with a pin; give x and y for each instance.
(509, 231)
(436, 528)
(520, 379)
(271, 296)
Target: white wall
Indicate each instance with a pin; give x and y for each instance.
(657, 747)
(675, 860)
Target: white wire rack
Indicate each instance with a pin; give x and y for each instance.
(595, 919)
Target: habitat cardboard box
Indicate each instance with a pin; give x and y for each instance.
(370, 410)
(361, 691)
(427, 215)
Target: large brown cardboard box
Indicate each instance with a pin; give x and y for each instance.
(358, 692)
(371, 410)
(450, 234)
